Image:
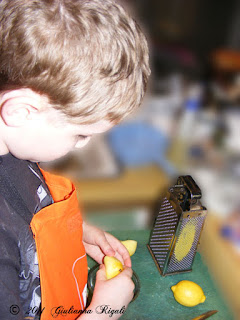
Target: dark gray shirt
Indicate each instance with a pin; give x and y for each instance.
(20, 295)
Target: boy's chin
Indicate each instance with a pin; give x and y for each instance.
(37, 157)
(41, 160)
(45, 159)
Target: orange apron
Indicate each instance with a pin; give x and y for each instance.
(57, 230)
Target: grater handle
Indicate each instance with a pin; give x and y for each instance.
(191, 185)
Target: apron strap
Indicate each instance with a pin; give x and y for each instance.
(11, 194)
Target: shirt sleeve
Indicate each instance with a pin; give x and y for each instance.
(10, 305)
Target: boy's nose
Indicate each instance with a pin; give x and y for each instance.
(81, 143)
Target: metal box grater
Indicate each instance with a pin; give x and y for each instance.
(177, 228)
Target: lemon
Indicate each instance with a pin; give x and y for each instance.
(188, 293)
(113, 267)
(130, 245)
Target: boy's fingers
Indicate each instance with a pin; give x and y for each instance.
(125, 256)
(101, 273)
(121, 251)
(125, 261)
(127, 271)
(128, 262)
(105, 246)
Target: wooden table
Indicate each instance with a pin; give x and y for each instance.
(133, 187)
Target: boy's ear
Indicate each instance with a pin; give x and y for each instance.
(19, 106)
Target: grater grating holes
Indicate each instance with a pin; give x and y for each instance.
(163, 232)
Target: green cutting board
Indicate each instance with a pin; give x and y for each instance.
(156, 300)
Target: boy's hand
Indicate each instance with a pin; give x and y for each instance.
(99, 244)
(114, 294)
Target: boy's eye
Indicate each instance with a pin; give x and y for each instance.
(81, 140)
(82, 137)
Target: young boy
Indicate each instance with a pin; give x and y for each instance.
(69, 69)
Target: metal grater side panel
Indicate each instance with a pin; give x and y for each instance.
(186, 244)
(163, 232)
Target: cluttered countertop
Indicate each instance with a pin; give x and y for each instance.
(156, 300)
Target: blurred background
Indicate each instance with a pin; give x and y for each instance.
(189, 123)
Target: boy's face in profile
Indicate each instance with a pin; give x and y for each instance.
(48, 141)
(44, 135)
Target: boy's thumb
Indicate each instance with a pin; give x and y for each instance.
(101, 274)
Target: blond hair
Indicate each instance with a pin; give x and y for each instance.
(89, 57)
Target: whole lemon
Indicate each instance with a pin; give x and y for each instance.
(188, 293)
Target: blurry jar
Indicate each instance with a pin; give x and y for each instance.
(184, 134)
